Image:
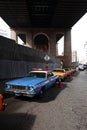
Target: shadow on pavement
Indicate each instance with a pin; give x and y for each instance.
(50, 95)
(68, 79)
(16, 121)
(76, 73)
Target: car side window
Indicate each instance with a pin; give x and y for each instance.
(49, 75)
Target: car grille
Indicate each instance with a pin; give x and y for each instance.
(18, 87)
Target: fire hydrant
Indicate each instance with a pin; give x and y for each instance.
(60, 83)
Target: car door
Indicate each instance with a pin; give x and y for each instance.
(50, 78)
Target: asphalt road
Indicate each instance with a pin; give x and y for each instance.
(60, 109)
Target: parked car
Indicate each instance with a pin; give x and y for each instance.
(35, 83)
(85, 66)
(2, 104)
(69, 72)
(60, 72)
(81, 67)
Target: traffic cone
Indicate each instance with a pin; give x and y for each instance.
(60, 84)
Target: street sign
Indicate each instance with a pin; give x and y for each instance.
(46, 58)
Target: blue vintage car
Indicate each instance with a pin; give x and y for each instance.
(34, 84)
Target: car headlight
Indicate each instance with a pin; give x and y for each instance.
(8, 86)
(30, 88)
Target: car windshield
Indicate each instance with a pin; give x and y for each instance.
(37, 75)
(66, 69)
(59, 71)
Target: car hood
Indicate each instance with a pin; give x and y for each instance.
(59, 73)
(27, 81)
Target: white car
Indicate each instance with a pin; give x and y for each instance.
(81, 67)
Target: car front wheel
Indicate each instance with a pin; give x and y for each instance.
(42, 92)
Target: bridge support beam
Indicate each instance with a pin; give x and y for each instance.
(53, 44)
(51, 35)
(67, 48)
(13, 35)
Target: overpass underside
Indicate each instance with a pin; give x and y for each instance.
(40, 24)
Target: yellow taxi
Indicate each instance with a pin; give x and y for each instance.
(60, 72)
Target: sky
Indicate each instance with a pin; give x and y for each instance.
(5, 30)
(78, 35)
(78, 38)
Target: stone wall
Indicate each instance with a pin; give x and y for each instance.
(17, 60)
